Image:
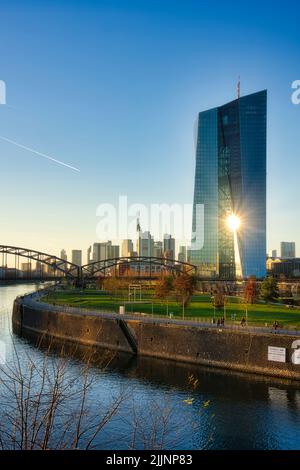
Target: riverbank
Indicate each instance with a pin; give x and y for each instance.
(200, 307)
(238, 402)
(244, 350)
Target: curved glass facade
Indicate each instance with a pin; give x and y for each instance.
(230, 178)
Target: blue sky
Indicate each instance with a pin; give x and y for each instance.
(114, 88)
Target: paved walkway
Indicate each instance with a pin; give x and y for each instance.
(34, 300)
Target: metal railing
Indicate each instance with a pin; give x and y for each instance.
(36, 299)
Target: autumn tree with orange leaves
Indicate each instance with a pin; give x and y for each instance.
(184, 286)
(251, 291)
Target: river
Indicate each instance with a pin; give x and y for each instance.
(222, 410)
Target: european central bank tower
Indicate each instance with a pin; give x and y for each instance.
(229, 211)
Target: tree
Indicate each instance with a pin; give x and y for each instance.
(295, 290)
(44, 405)
(218, 298)
(115, 285)
(269, 289)
(99, 282)
(184, 285)
(164, 287)
(47, 405)
(251, 290)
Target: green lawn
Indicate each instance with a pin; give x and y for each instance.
(200, 306)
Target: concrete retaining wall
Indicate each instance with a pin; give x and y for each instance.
(230, 349)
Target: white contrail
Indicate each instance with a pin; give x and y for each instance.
(39, 153)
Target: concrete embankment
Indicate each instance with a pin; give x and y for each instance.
(242, 350)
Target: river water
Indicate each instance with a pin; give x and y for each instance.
(221, 411)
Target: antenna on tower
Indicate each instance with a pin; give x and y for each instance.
(138, 225)
(239, 88)
(139, 233)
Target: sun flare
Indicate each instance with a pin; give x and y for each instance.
(233, 222)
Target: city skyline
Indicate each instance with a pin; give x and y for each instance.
(98, 251)
(148, 93)
(149, 234)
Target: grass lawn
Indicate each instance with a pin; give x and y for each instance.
(200, 307)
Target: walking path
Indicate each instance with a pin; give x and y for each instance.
(34, 300)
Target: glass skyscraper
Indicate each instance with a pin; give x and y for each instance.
(229, 211)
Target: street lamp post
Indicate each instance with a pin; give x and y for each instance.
(213, 302)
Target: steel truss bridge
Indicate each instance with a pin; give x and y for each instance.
(55, 264)
(137, 266)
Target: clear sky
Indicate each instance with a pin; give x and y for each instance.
(114, 87)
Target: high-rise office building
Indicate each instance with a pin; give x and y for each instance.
(127, 248)
(40, 268)
(145, 244)
(274, 253)
(158, 249)
(63, 255)
(229, 213)
(26, 267)
(89, 258)
(105, 250)
(99, 251)
(50, 269)
(77, 257)
(113, 251)
(288, 249)
(169, 246)
(182, 254)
